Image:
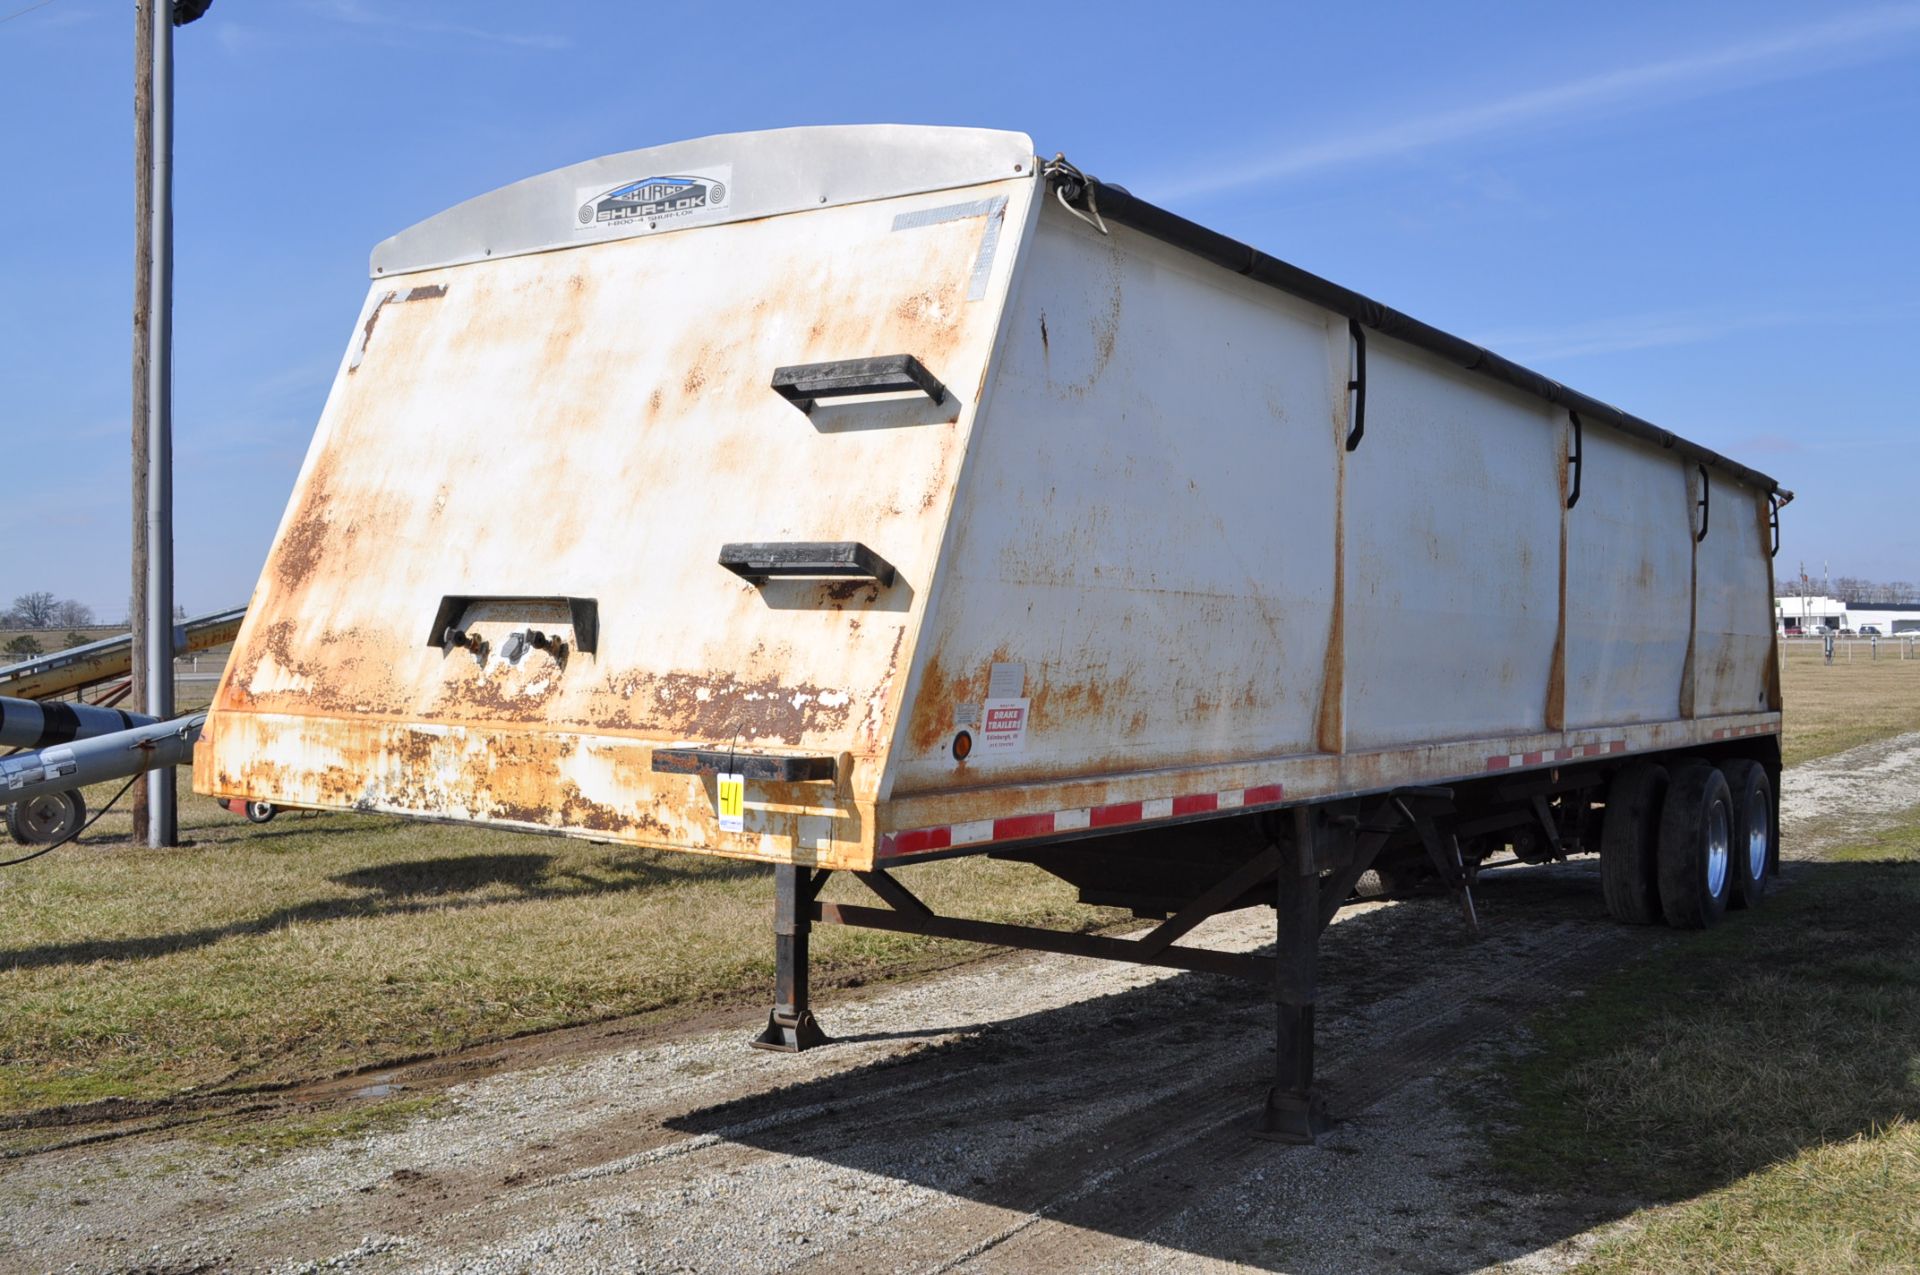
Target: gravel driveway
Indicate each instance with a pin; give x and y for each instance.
(1024, 1113)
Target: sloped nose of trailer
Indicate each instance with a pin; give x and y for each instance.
(606, 511)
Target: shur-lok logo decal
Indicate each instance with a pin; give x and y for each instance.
(654, 199)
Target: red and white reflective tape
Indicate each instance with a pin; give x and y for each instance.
(1026, 827)
(1507, 761)
(1734, 732)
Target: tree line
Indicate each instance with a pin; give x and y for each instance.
(1856, 590)
(45, 611)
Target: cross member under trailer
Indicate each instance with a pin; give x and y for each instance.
(1307, 870)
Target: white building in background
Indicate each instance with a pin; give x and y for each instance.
(1887, 618)
(1812, 613)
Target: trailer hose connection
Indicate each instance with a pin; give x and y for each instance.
(1070, 184)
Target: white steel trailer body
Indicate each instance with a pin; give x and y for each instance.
(956, 502)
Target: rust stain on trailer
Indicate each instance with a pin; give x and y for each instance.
(1556, 707)
(531, 433)
(425, 292)
(561, 335)
(1770, 679)
(366, 333)
(1072, 706)
(499, 691)
(940, 694)
(1106, 335)
(843, 590)
(719, 706)
(879, 701)
(298, 551)
(1329, 729)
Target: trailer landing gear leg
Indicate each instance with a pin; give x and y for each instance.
(1295, 1110)
(790, 1027)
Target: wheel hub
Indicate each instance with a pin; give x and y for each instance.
(1719, 839)
(1759, 820)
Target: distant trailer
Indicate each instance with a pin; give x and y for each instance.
(845, 498)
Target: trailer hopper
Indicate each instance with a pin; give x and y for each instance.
(841, 497)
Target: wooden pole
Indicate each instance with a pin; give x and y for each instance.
(142, 319)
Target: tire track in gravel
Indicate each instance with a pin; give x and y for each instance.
(1054, 1144)
(1137, 1168)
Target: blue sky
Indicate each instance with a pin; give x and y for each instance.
(1706, 214)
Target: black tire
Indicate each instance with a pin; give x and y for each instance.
(1629, 843)
(1756, 831)
(47, 818)
(261, 811)
(1696, 846)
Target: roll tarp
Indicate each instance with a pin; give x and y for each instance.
(1117, 204)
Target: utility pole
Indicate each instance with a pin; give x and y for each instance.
(163, 825)
(163, 828)
(142, 299)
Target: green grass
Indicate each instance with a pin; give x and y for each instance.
(1833, 707)
(293, 1133)
(318, 944)
(1837, 1207)
(1758, 1085)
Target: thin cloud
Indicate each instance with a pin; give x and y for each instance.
(1622, 333)
(1770, 445)
(1631, 332)
(353, 13)
(239, 40)
(1805, 50)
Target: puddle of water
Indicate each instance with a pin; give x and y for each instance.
(382, 1087)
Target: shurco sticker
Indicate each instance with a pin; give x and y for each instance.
(651, 200)
(733, 803)
(1003, 726)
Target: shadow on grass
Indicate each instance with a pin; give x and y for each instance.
(400, 888)
(1789, 1046)
(1732, 1050)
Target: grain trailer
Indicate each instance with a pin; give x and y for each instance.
(846, 498)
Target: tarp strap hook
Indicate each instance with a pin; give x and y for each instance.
(1358, 385)
(1574, 461)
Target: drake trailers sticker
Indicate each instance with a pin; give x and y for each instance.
(648, 201)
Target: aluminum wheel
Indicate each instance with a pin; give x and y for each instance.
(1756, 840)
(1759, 823)
(1719, 844)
